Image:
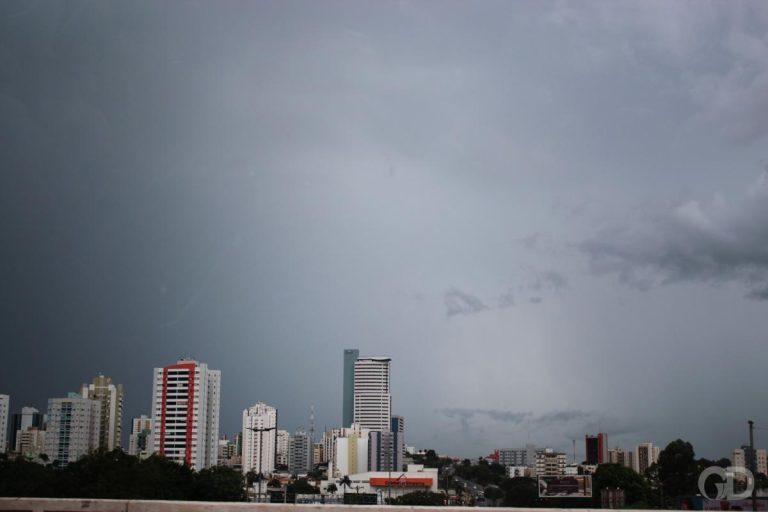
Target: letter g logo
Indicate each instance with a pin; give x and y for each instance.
(724, 487)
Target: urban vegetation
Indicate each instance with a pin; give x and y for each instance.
(116, 475)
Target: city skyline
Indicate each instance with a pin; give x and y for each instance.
(374, 374)
(552, 217)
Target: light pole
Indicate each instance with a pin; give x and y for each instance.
(752, 457)
(261, 449)
(389, 465)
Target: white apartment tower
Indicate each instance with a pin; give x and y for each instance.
(372, 398)
(111, 398)
(4, 407)
(259, 438)
(185, 413)
(73, 428)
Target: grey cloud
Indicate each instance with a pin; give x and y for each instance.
(506, 300)
(516, 417)
(730, 96)
(564, 416)
(458, 302)
(553, 280)
(464, 415)
(716, 242)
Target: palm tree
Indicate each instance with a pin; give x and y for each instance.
(345, 482)
(332, 488)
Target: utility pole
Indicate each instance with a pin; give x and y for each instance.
(261, 449)
(752, 461)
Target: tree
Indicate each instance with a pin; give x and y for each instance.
(616, 475)
(21, 477)
(302, 486)
(345, 482)
(420, 498)
(493, 494)
(520, 492)
(677, 469)
(332, 488)
(218, 483)
(251, 477)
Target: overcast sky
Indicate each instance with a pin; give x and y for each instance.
(552, 216)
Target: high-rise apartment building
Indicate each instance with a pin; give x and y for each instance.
(73, 428)
(299, 453)
(517, 456)
(762, 461)
(30, 443)
(351, 452)
(738, 458)
(550, 463)
(373, 401)
(239, 444)
(111, 398)
(259, 438)
(318, 454)
(185, 413)
(397, 424)
(281, 456)
(596, 448)
(348, 397)
(620, 456)
(385, 451)
(5, 404)
(141, 443)
(743, 458)
(329, 443)
(646, 454)
(21, 421)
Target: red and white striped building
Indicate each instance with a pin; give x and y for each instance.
(185, 413)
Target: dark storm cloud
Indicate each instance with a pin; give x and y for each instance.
(576, 422)
(465, 415)
(263, 184)
(706, 242)
(458, 302)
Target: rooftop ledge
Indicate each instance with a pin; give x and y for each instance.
(81, 505)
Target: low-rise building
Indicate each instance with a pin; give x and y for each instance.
(388, 484)
(520, 471)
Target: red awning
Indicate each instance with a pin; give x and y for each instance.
(400, 482)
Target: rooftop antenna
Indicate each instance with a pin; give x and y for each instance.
(574, 450)
(312, 424)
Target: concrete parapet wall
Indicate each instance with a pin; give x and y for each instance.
(80, 505)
